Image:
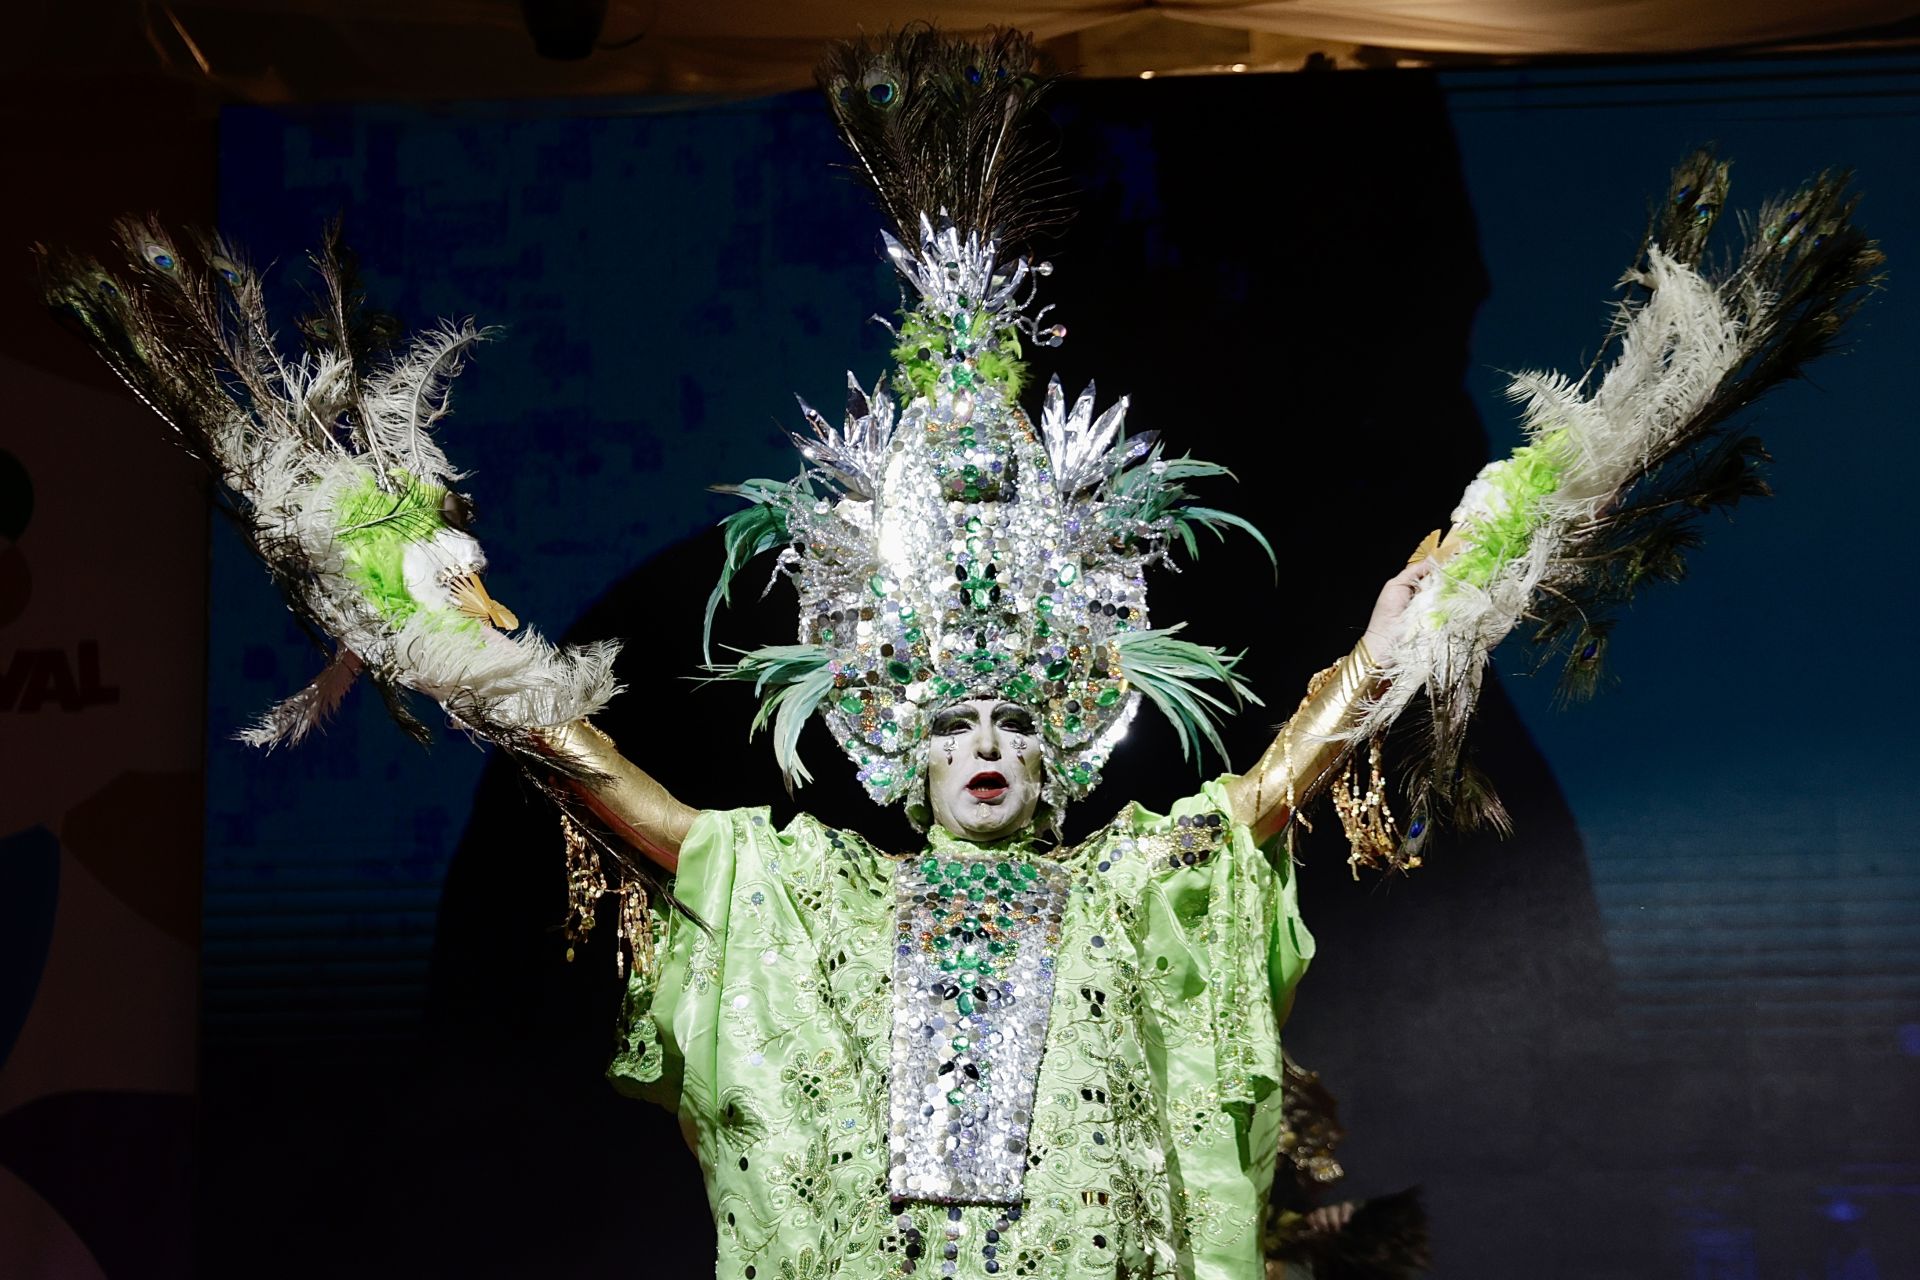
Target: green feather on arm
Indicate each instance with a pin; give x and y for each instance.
(376, 526)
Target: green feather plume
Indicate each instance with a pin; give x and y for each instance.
(749, 532)
(1160, 498)
(791, 681)
(1170, 671)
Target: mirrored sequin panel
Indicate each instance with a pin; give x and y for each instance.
(973, 985)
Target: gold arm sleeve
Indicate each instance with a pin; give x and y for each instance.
(623, 795)
(1304, 755)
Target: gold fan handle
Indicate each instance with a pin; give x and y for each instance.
(1439, 549)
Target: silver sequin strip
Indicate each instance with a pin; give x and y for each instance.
(972, 990)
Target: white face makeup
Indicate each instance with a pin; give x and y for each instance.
(985, 770)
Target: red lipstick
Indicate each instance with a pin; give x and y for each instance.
(987, 786)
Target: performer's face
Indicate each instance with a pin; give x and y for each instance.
(983, 778)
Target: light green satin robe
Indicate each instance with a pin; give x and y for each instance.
(1156, 1115)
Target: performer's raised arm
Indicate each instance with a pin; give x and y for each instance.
(1310, 746)
(620, 793)
(328, 462)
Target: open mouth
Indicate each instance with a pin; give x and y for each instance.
(987, 787)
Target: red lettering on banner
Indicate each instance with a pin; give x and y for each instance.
(35, 677)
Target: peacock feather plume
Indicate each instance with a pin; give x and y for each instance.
(946, 127)
(327, 459)
(1621, 466)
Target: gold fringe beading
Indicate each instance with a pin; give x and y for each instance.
(587, 887)
(1297, 773)
(1372, 839)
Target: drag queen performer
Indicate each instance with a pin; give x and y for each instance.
(996, 1055)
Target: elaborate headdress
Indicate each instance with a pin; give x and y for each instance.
(944, 545)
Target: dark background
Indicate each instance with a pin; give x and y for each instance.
(1673, 1028)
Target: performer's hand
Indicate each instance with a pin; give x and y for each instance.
(1389, 610)
(1329, 1219)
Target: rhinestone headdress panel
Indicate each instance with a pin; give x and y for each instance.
(960, 552)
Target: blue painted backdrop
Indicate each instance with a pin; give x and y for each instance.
(633, 370)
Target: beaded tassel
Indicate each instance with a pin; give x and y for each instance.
(587, 884)
(636, 930)
(1366, 817)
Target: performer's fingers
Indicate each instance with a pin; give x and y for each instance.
(1415, 572)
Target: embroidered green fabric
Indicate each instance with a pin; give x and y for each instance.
(1156, 1116)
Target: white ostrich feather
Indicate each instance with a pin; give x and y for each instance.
(405, 401)
(489, 679)
(292, 719)
(297, 442)
(1674, 351)
(319, 390)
